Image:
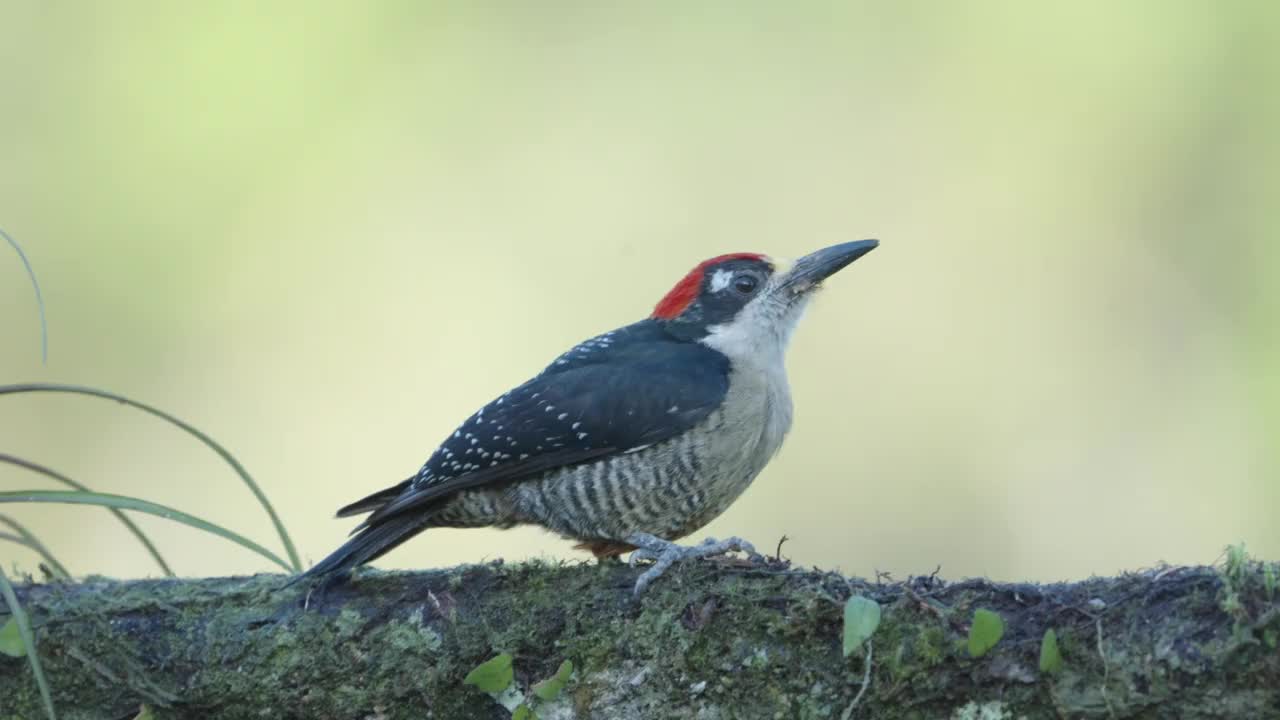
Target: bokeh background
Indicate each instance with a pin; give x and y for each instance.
(326, 233)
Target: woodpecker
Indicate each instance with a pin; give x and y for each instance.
(630, 440)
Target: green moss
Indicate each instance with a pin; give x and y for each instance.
(703, 636)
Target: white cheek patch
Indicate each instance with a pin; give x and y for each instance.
(758, 335)
(720, 280)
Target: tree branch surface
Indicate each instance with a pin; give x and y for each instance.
(709, 641)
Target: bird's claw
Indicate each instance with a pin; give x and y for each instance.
(640, 554)
(664, 554)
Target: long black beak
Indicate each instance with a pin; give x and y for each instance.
(810, 270)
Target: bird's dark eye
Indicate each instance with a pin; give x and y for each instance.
(745, 284)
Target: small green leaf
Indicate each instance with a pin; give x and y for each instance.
(492, 676)
(550, 688)
(861, 618)
(986, 631)
(1050, 658)
(11, 640)
(522, 713)
(144, 714)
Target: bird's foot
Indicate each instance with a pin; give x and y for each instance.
(665, 553)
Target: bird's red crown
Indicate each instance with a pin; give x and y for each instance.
(686, 291)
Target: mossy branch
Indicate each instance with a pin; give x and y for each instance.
(708, 640)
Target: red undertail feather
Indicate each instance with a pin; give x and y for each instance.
(679, 297)
(605, 548)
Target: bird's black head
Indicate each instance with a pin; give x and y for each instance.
(746, 302)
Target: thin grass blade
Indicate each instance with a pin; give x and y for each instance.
(124, 502)
(26, 537)
(28, 639)
(128, 523)
(294, 559)
(31, 273)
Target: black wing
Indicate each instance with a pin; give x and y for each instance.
(616, 392)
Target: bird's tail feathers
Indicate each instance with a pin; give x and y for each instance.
(368, 545)
(375, 501)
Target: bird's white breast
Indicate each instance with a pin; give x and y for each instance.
(752, 423)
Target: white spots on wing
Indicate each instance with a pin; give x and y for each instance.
(720, 280)
(524, 456)
(637, 448)
(585, 349)
(581, 435)
(576, 425)
(497, 437)
(673, 409)
(474, 440)
(562, 416)
(549, 408)
(457, 433)
(495, 462)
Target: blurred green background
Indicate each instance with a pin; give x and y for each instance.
(326, 233)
